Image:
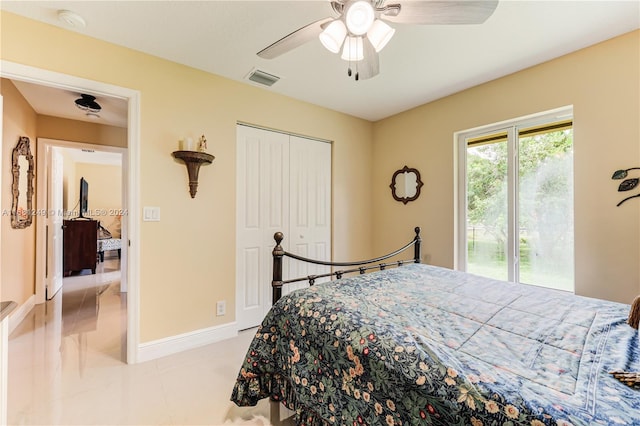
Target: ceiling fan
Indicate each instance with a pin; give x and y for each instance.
(360, 31)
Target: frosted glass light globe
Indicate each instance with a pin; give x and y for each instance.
(359, 17)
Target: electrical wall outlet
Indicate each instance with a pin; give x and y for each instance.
(221, 308)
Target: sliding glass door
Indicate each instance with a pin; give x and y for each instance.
(488, 206)
(518, 203)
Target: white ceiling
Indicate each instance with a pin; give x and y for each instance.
(61, 103)
(421, 63)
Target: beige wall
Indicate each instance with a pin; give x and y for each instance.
(105, 190)
(17, 265)
(602, 82)
(70, 185)
(81, 131)
(187, 257)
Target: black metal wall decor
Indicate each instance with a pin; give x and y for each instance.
(626, 184)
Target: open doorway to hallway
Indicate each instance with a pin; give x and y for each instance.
(107, 94)
(82, 184)
(81, 191)
(130, 271)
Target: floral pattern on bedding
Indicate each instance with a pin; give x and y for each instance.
(427, 345)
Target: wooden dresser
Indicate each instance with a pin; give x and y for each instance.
(80, 241)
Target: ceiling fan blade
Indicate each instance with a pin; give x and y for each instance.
(370, 65)
(337, 6)
(440, 12)
(293, 40)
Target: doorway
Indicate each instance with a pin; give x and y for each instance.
(130, 270)
(61, 166)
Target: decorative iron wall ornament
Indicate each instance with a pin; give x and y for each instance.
(621, 174)
(627, 184)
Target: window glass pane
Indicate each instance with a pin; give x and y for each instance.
(545, 172)
(487, 209)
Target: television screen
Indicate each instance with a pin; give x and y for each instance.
(84, 197)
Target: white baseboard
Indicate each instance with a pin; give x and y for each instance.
(20, 313)
(182, 342)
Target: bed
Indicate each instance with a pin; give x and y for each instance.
(419, 344)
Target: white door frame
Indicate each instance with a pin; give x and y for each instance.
(509, 127)
(14, 71)
(4, 326)
(41, 196)
(52, 180)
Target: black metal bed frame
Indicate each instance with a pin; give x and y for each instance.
(362, 266)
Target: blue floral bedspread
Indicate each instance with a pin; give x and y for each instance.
(427, 345)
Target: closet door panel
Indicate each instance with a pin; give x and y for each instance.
(262, 209)
(310, 186)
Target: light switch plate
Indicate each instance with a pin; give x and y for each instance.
(151, 214)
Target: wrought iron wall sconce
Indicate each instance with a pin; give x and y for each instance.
(626, 184)
(193, 160)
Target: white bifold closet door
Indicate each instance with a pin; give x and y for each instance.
(283, 184)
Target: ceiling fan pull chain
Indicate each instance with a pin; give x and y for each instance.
(349, 69)
(349, 73)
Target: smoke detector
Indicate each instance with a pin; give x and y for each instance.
(71, 19)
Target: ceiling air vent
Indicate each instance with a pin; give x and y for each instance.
(262, 77)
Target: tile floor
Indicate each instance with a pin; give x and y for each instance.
(66, 367)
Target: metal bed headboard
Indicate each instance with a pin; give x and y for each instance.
(360, 266)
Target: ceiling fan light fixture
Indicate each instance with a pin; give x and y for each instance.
(359, 17)
(353, 49)
(379, 34)
(333, 36)
(88, 103)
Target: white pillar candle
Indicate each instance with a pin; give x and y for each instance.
(181, 145)
(189, 145)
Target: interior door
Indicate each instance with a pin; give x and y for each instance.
(262, 210)
(54, 222)
(310, 207)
